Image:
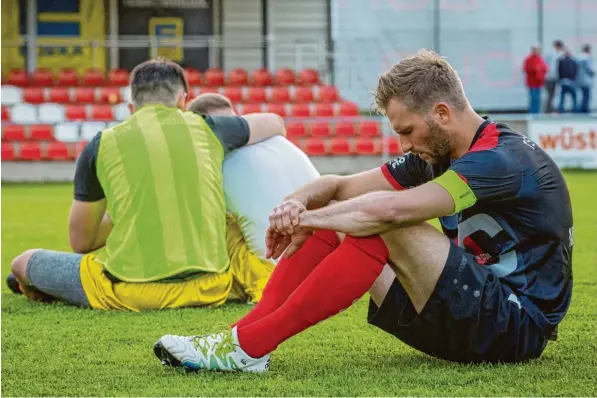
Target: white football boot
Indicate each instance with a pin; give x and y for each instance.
(218, 351)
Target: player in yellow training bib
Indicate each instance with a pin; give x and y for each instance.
(148, 223)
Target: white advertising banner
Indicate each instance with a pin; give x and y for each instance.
(571, 143)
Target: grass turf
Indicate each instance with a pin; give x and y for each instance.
(59, 350)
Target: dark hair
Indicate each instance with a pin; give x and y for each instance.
(586, 48)
(157, 77)
(209, 102)
(558, 43)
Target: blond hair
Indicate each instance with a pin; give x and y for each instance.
(420, 81)
(209, 102)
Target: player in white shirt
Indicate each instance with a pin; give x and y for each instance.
(257, 177)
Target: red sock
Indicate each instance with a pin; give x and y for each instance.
(290, 273)
(339, 280)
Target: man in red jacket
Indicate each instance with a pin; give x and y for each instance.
(535, 69)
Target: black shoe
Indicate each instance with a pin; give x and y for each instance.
(13, 284)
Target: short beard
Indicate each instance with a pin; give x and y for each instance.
(440, 142)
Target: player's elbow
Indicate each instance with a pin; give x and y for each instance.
(281, 128)
(79, 243)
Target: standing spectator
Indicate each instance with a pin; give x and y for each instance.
(551, 80)
(585, 78)
(567, 71)
(535, 70)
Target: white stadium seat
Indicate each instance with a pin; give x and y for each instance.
(90, 129)
(51, 113)
(67, 132)
(24, 114)
(121, 112)
(125, 93)
(11, 95)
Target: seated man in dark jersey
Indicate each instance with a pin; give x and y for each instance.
(495, 293)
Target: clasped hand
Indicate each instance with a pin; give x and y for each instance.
(285, 232)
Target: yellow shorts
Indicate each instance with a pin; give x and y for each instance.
(245, 280)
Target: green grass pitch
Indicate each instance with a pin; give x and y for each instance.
(59, 350)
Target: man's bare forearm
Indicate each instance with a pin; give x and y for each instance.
(318, 193)
(362, 216)
(102, 233)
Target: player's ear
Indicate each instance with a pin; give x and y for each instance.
(131, 107)
(442, 113)
(181, 102)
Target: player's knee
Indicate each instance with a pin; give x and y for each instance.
(19, 265)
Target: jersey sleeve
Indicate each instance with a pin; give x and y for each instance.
(407, 171)
(486, 176)
(87, 185)
(231, 131)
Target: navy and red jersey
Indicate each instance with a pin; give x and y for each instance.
(517, 219)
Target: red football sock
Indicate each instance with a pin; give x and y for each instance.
(338, 281)
(290, 273)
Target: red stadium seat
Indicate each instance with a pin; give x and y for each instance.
(328, 94)
(85, 95)
(30, 151)
(345, 129)
(235, 94)
(348, 109)
(365, 146)
(68, 78)
(301, 110)
(309, 76)
(262, 77)
(303, 94)
(205, 90)
(79, 146)
(238, 77)
(320, 129)
(8, 151)
(257, 94)
(76, 112)
(315, 147)
(296, 130)
(33, 95)
(13, 132)
(280, 94)
(41, 132)
(18, 77)
(279, 109)
(341, 146)
(285, 77)
(369, 128)
(251, 108)
(118, 77)
(57, 151)
(193, 76)
(215, 77)
(392, 144)
(59, 95)
(43, 77)
(5, 113)
(110, 95)
(103, 113)
(324, 110)
(94, 77)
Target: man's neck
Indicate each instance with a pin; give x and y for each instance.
(468, 124)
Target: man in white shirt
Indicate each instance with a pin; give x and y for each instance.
(257, 177)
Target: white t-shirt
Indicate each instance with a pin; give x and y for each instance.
(257, 178)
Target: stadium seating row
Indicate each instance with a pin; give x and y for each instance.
(61, 151)
(76, 131)
(54, 113)
(12, 95)
(120, 77)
